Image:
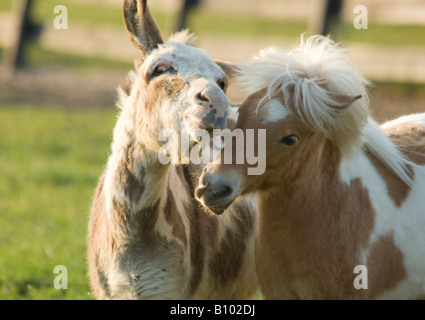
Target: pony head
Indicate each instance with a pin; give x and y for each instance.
(309, 100)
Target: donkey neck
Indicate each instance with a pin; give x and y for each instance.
(135, 180)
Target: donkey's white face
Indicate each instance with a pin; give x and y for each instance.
(177, 87)
(183, 82)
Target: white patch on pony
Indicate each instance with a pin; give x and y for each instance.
(406, 224)
(409, 238)
(274, 111)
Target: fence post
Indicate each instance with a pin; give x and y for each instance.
(325, 16)
(187, 5)
(13, 57)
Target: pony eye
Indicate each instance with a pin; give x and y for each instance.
(221, 84)
(160, 69)
(290, 140)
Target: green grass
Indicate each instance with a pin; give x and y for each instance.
(204, 23)
(50, 160)
(87, 14)
(384, 34)
(5, 5)
(37, 56)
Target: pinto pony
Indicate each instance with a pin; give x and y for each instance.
(341, 197)
(148, 236)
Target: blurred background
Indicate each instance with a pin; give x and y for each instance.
(57, 95)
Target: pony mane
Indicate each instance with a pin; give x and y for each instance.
(313, 78)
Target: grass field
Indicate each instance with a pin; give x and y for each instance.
(50, 161)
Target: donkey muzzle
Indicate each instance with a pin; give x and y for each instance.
(211, 107)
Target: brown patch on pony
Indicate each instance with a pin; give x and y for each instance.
(410, 139)
(397, 190)
(385, 266)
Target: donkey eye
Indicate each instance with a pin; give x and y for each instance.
(160, 69)
(290, 140)
(221, 84)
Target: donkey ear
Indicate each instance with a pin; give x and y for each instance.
(230, 69)
(141, 26)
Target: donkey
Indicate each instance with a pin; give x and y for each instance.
(148, 237)
(341, 204)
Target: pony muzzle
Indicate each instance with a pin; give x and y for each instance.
(215, 192)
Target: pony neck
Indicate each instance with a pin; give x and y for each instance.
(316, 226)
(309, 180)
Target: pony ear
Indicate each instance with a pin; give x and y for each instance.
(343, 101)
(141, 26)
(230, 69)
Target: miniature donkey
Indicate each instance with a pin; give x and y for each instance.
(148, 237)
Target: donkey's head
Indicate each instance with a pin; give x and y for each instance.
(174, 81)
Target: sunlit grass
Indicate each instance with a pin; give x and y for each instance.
(50, 160)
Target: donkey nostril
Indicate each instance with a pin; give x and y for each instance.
(201, 96)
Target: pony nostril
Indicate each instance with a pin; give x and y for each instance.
(223, 192)
(200, 191)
